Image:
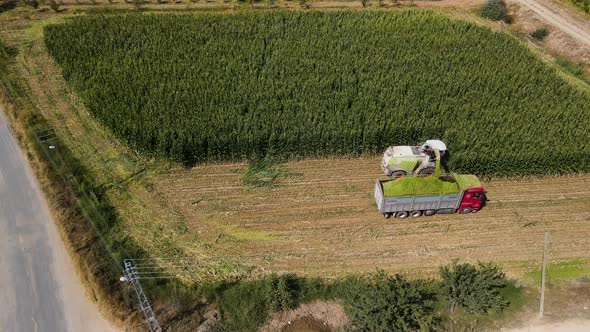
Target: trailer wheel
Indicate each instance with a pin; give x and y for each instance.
(402, 215)
(416, 214)
(387, 215)
(429, 213)
(466, 210)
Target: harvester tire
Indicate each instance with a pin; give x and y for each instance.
(398, 174)
(428, 170)
(402, 215)
(466, 210)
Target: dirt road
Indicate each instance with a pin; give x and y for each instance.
(568, 326)
(571, 23)
(39, 290)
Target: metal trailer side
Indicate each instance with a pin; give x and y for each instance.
(416, 203)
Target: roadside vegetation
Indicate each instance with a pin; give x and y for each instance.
(377, 301)
(212, 87)
(582, 4)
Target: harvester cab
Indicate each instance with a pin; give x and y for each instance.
(413, 160)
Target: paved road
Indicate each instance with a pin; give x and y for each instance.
(38, 288)
(572, 24)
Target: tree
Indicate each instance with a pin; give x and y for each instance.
(473, 288)
(381, 302)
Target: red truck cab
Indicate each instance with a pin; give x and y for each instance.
(473, 200)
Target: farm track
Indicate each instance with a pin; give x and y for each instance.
(573, 24)
(323, 220)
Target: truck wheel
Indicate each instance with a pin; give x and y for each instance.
(429, 213)
(401, 215)
(466, 210)
(398, 174)
(416, 214)
(387, 215)
(428, 170)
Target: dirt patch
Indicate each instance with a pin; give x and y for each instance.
(537, 325)
(319, 316)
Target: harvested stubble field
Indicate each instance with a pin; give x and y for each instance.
(324, 221)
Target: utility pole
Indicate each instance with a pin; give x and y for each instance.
(543, 276)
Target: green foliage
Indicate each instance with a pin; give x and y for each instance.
(264, 173)
(495, 10)
(576, 69)
(380, 302)
(473, 288)
(582, 4)
(560, 271)
(7, 5)
(54, 5)
(244, 306)
(540, 33)
(32, 3)
(217, 87)
(282, 292)
(247, 304)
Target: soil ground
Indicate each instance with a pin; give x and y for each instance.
(319, 316)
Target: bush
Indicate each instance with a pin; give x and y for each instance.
(32, 3)
(380, 302)
(54, 5)
(282, 292)
(473, 288)
(583, 4)
(540, 33)
(7, 5)
(495, 10)
(244, 306)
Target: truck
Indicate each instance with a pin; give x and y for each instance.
(414, 196)
(420, 160)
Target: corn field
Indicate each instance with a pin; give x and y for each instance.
(214, 87)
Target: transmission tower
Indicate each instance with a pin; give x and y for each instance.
(132, 277)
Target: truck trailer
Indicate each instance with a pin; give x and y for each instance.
(415, 196)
